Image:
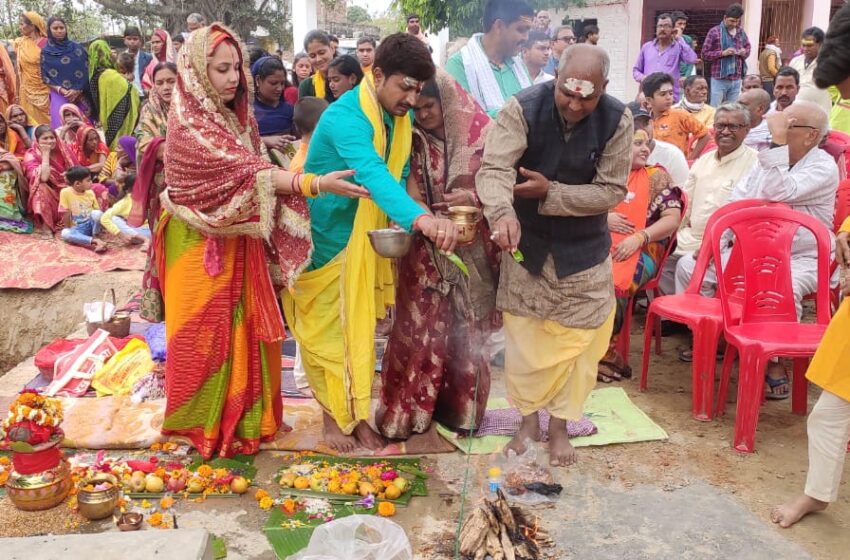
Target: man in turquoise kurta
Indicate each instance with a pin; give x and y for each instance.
(488, 66)
(332, 307)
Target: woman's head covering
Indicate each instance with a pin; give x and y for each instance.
(166, 54)
(38, 21)
(100, 57)
(128, 144)
(10, 80)
(80, 147)
(465, 131)
(74, 109)
(64, 63)
(11, 108)
(219, 181)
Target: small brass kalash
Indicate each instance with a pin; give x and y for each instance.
(466, 218)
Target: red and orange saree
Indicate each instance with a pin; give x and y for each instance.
(223, 325)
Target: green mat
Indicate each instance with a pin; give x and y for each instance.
(616, 417)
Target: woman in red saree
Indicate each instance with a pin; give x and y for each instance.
(89, 149)
(435, 351)
(641, 227)
(44, 165)
(223, 202)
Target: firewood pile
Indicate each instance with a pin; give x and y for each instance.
(502, 532)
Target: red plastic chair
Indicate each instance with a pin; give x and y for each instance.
(624, 336)
(768, 325)
(701, 314)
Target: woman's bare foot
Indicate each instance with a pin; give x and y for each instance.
(561, 451)
(528, 430)
(335, 438)
(367, 437)
(790, 513)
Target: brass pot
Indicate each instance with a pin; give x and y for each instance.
(466, 220)
(40, 491)
(98, 504)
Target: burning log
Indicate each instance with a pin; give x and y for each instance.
(503, 532)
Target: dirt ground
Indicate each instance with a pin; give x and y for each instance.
(692, 496)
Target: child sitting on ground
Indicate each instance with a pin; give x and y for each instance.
(80, 211)
(114, 220)
(124, 65)
(306, 116)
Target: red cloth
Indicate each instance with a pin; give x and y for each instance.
(145, 195)
(290, 95)
(43, 204)
(78, 148)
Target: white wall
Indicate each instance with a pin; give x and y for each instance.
(614, 36)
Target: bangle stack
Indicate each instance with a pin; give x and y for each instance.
(644, 237)
(307, 185)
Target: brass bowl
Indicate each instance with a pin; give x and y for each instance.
(130, 521)
(98, 504)
(390, 243)
(466, 219)
(40, 491)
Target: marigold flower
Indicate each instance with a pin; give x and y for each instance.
(4, 476)
(156, 447)
(4, 460)
(155, 520)
(260, 494)
(266, 503)
(166, 502)
(169, 446)
(386, 509)
(289, 506)
(205, 470)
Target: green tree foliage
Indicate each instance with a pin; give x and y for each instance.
(463, 17)
(357, 14)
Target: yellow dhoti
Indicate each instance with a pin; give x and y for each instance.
(548, 365)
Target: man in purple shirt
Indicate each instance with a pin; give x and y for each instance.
(664, 53)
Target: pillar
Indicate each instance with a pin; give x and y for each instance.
(304, 20)
(816, 13)
(752, 26)
(634, 16)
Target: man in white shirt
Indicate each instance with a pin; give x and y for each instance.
(664, 154)
(710, 182)
(535, 55)
(798, 173)
(757, 101)
(806, 63)
(786, 86)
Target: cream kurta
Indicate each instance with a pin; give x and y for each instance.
(709, 186)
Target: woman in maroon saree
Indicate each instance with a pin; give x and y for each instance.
(436, 349)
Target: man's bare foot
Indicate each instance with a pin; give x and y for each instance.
(335, 438)
(367, 437)
(528, 430)
(561, 451)
(790, 513)
(97, 246)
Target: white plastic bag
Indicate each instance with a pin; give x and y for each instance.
(97, 311)
(357, 537)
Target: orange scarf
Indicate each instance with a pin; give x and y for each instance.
(634, 207)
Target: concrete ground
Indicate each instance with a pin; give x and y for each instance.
(689, 497)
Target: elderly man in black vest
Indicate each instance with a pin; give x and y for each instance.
(556, 161)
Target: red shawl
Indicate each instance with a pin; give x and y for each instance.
(218, 178)
(79, 147)
(60, 159)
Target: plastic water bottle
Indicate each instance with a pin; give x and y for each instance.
(494, 480)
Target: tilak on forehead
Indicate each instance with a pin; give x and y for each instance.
(580, 87)
(412, 82)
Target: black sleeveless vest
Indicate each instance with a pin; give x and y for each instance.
(576, 243)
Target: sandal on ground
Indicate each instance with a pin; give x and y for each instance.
(687, 355)
(773, 384)
(607, 374)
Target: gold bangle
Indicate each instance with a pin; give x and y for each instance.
(306, 182)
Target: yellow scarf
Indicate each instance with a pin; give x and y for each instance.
(368, 278)
(335, 324)
(319, 85)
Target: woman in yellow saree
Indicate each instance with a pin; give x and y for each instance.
(33, 93)
(224, 201)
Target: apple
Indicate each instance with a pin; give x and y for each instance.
(137, 484)
(239, 485)
(154, 484)
(176, 484)
(400, 483)
(196, 485)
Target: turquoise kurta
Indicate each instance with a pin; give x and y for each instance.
(343, 140)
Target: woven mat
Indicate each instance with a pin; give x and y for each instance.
(30, 262)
